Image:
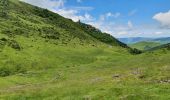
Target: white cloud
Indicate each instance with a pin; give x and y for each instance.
(88, 17)
(158, 33)
(113, 28)
(48, 4)
(105, 23)
(130, 25)
(109, 15)
(129, 29)
(112, 15)
(163, 18)
(73, 14)
(122, 33)
(58, 6)
(131, 13)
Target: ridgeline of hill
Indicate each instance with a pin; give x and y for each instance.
(44, 56)
(133, 40)
(161, 47)
(144, 45)
(18, 18)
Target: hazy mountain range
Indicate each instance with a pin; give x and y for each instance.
(132, 40)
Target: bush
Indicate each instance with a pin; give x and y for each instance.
(50, 33)
(12, 70)
(3, 8)
(15, 45)
(11, 43)
(135, 51)
(4, 71)
(2, 43)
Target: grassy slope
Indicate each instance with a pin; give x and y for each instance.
(26, 20)
(104, 37)
(58, 72)
(48, 69)
(144, 45)
(161, 47)
(23, 19)
(25, 27)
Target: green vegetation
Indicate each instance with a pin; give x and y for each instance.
(163, 40)
(4, 8)
(44, 56)
(104, 37)
(144, 45)
(164, 47)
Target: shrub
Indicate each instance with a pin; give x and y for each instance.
(11, 70)
(2, 42)
(4, 71)
(3, 8)
(12, 43)
(135, 51)
(50, 33)
(15, 45)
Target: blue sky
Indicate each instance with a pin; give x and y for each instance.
(120, 18)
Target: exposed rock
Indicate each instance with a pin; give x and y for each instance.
(164, 81)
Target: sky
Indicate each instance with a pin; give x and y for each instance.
(120, 18)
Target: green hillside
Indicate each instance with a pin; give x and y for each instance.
(144, 45)
(25, 20)
(161, 47)
(44, 56)
(25, 27)
(103, 37)
(163, 40)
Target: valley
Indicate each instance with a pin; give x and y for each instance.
(44, 56)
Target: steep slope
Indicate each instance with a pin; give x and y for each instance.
(26, 20)
(144, 45)
(104, 37)
(31, 33)
(29, 21)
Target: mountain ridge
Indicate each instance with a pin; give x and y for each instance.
(132, 40)
(144, 45)
(47, 25)
(161, 47)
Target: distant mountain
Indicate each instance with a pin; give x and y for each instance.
(144, 45)
(164, 46)
(163, 40)
(132, 40)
